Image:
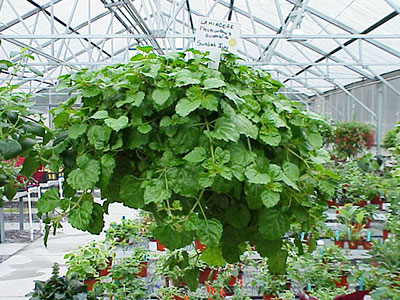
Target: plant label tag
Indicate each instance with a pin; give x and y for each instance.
(152, 246)
(215, 35)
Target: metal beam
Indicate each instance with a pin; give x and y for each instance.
(60, 21)
(26, 15)
(349, 29)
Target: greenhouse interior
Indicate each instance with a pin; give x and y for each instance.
(208, 149)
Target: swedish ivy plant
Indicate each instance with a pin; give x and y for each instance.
(217, 155)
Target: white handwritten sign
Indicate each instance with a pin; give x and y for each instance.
(215, 35)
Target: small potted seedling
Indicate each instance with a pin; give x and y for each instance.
(90, 262)
(367, 240)
(354, 236)
(123, 233)
(268, 285)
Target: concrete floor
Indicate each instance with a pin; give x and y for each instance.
(33, 261)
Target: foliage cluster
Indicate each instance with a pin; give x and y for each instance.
(214, 155)
(22, 130)
(57, 287)
(352, 138)
(89, 259)
(391, 138)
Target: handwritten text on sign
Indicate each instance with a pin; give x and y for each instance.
(217, 34)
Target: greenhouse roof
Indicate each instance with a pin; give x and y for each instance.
(313, 46)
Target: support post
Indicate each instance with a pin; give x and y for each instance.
(379, 118)
(21, 213)
(2, 230)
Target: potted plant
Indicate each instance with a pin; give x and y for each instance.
(354, 237)
(325, 293)
(131, 266)
(229, 277)
(268, 285)
(179, 268)
(312, 273)
(90, 261)
(341, 237)
(352, 138)
(170, 293)
(123, 283)
(60, 287)
(125, 232)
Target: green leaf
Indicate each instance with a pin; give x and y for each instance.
(289, 182)
(191, 277)
(255, 176)
(107, 167)
(213, 83)
(77, 130)
(275, 172)
(213, 257)
(273, 224)
(225, 130)
(10, 148)
(91, 91)
(270, 136)
(245, 126)
(86, 176)
(253, 195)
(156, 193)
(35, 128)
(210, 102)
(30, 166)
(117, 124)
(96, 222)
(145, 128)
(232, 96)
(291, 171)
(98, 136)
(145, 49)
(184, 77)
(136, 139)
(183, 179)
(101, 114)
(198, 154)
(10, 190)
(135, 99)
(315, 140)
(48, 201)
(160, 96)
(185, 106)
(237, 216)
(209, 232)
(131, 192)
(270, 198)
(80, 216)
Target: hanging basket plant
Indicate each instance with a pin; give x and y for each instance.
(214, 155)
(352, 138)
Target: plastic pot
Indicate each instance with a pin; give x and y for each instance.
(353, 244)
(342, 283)
(385, 234)
(270, 297)
(143, 269)
(207, 274)
(89, 282)
(340, 244)
(198, 245)
(160, 247)
(367, 245)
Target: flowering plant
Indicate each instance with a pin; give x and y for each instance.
(352, 138)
